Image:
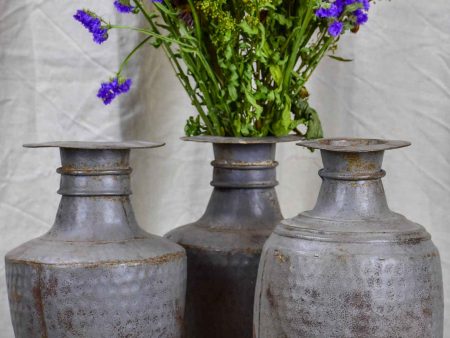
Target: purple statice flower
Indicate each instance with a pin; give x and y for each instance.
(361, 17)
(339, 14)
(116, 86)
(335, 29)
(123, 6)
(93, 24)
(334, 11)
(366, 4)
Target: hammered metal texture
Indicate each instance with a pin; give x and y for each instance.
(350, 267)
(96, 273)
(224, 246)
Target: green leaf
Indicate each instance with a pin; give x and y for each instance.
(251, 99)
(193, 126)
(247, 29)
(237, 125)
(283, 20)
(232, 92)
(277, 74)
(282, 126)
(245, 130)
(353, 7)
(314, 126)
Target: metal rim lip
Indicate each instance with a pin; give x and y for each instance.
(242, 140)
(96, 145)
(354, 145)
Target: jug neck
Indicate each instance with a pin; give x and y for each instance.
(95, 204)
(94, 172)
(244, 180)
(351, 187)
(95, 189)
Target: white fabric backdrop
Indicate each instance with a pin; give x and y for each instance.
(397, 87)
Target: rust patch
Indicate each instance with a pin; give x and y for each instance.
(179, 318)
(280, 257)
(248, 251)
(307, 319)
(432, 254)
(359, 300)
(160, 260)
(151, 261)
(243, 165)
(51, 287)
(15, 297)
(65, 320)
(88, 170)
(356, 163)
(427, 312)
(39, 304)
(412, 241)
(270, 297)
(342, 258)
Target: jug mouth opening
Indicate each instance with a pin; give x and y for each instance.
(354, 145)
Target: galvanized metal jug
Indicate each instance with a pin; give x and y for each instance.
(96, 273)
(350, 267)
(224, 246)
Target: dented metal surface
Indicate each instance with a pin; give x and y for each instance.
(224, 246)
(96, 273)
(350, 267)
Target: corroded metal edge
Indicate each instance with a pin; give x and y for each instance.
(249, 185)
(242, 140)
(354, 145)
(69, 171)
(157, 260)
(240, 165)
(246, 251)
(352, 176)
(413, 236)
(120, 145)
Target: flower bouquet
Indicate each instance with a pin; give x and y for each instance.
(243, 63)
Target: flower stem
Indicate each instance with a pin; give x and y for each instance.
(130, 55)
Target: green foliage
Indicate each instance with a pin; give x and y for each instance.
(243, 63)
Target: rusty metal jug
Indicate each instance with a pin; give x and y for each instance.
(224, 246)
(96, 273)
(350, 267)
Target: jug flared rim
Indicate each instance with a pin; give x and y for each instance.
(242, 140)
(353, 145)
(96, 145)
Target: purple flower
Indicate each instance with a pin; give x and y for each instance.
(366, 4)
(116, 86)
(158, 1)
(92, 23)
(123, 6)
(339, 14)
(335, 29)
(334, 11)
(361, 17)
